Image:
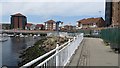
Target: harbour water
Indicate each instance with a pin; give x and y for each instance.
(12, 47)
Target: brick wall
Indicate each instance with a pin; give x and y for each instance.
(115, 14)
(20, 22)
(15, 20)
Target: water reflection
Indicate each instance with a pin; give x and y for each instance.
(12, 47)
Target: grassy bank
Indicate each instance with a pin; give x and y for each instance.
(40, 47)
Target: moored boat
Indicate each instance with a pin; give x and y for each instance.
(2, 39)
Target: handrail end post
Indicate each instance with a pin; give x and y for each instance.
(57, 56)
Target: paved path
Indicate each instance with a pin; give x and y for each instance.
(93, 52)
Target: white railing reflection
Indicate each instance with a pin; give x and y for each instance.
(61, 55)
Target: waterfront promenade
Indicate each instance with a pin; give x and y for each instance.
(93, 52)
(26, 31)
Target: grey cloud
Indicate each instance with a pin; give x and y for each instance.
(53, 8)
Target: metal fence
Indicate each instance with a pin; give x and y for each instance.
(61, 56)
(90, 32)
(111, 35)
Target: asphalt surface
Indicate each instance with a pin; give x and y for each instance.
(93, 52)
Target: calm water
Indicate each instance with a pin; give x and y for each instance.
(12, 47)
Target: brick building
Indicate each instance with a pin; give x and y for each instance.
(28, 25)
(108, 13)
(91, 23)
(50, 25)
(113, 13)
(40, 27)
(5, 26)
(68, 27)
(18, 21)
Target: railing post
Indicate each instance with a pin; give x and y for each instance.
(69, 48)
(69, 41)
(74, 38)
(57, 56)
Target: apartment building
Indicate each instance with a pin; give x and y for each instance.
(50, 25)
(18, 21)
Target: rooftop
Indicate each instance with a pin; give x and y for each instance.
(39, 25)
(50, 21)
(29, 24)
(89, 20)
(17, 14)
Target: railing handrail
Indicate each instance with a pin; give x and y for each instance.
(44, 55)
(58, 49)
(46, 60)
(53, 55)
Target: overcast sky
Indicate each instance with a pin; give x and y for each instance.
(39, 12)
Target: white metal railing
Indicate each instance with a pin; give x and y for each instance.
(62, 53)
